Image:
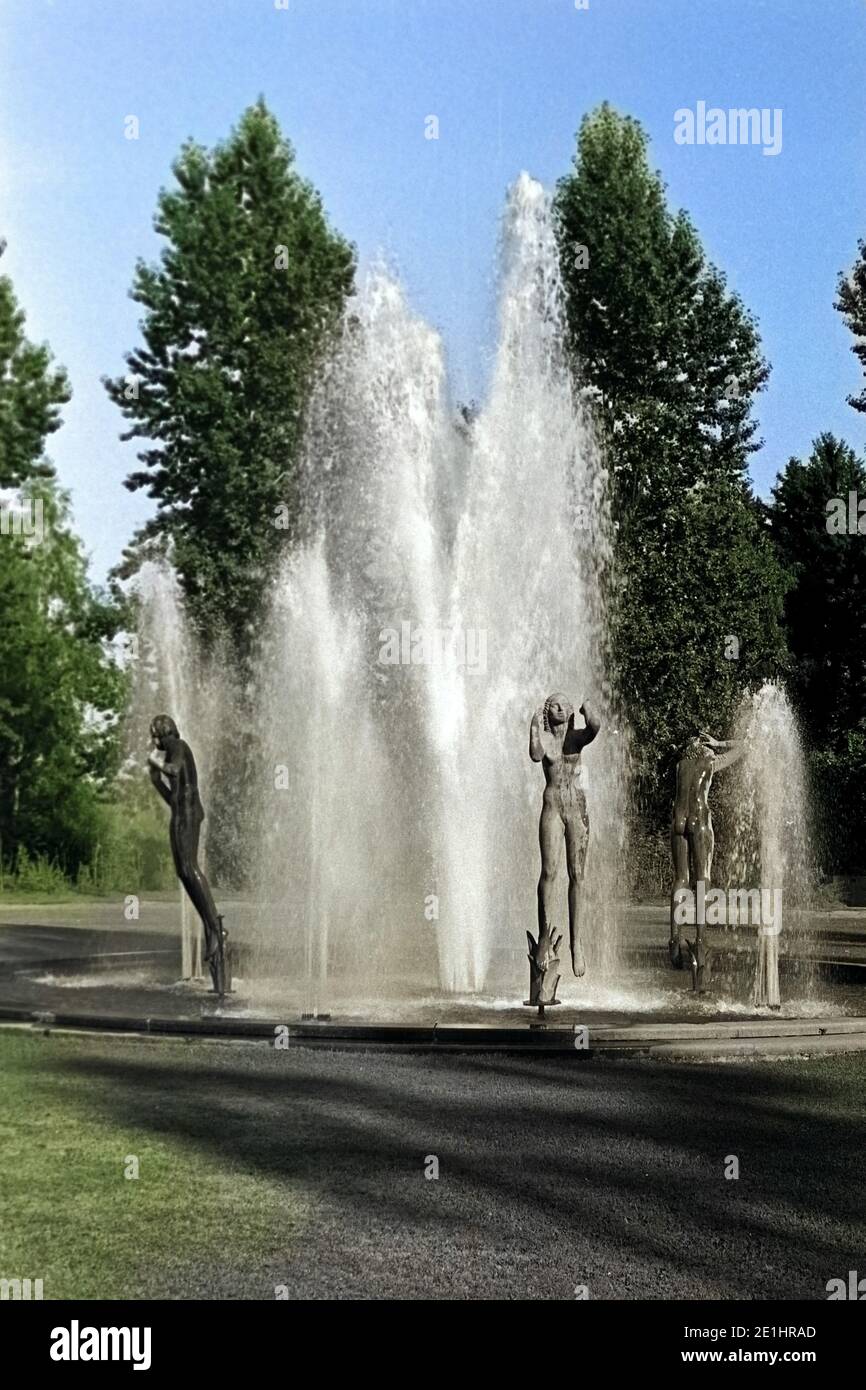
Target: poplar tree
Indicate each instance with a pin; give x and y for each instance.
(669, 362)
(249, 284)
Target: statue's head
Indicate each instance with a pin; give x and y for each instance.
(163, 728)
(697, 750)
(558, 709)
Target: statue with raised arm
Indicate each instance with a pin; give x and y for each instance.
(557, 744)
(693, 841)
(173, 774)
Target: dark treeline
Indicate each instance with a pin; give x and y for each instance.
(713, 590)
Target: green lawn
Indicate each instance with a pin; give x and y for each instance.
(72, 1218)
(11, 895)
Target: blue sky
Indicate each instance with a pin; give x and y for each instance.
(352, 82)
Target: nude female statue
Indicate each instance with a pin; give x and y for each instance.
(692, 838)
(556, 744)
(173, 774)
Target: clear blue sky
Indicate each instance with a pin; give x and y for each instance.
(352, 82)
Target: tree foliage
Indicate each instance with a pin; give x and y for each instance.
(60, 690)
(32, 392)
(851, 303)
(249, 284)
(825, 614)
(825, 609)
(670, 361)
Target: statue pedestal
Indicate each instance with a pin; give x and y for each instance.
(766, 990)
(544, 971)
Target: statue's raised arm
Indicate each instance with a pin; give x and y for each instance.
(727, 750)
(541, 742)
(576, 739)
(155, 769)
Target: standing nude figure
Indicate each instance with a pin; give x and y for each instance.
(173, 774)
(692, 838)
(556, 744)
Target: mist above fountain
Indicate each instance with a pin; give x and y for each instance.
(402, 846)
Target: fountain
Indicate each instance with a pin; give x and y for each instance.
(450, 569)
(445, 576)
(771, 835)
(530, 559)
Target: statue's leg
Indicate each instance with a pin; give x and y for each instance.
(550, 837)
(680, 854)
(544, 967)
(196, 884)
(576, 845)
(703, 843)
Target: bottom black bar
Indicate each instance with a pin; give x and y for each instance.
(63, 1339)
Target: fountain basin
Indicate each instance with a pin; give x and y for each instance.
(128, 982)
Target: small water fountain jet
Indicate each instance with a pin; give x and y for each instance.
(164, 646)
(173, 676)
(693, 847)
(772, 828)
(329, 833)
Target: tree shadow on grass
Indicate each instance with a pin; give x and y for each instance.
(552, 1171)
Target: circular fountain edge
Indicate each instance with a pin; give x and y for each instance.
(634, 1035)
(705, 1041)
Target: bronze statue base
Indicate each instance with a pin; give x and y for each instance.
(531, 1004)
(693, 956)
(544, 970)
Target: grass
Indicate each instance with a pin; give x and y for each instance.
(72, 1217)
(13, 895)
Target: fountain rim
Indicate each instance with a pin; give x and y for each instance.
(702, 1040)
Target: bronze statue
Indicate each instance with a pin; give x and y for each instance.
(692, 839)
(173, 774)
(557, 744)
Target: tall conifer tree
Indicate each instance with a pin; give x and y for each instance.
(250, 282)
